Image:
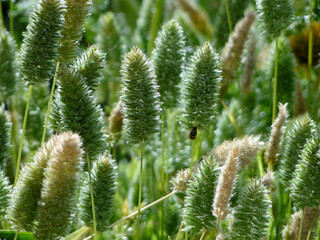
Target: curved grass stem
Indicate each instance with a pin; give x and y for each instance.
(202, 235)
(275, 79)
(49, 104)
(143, 209)
(22, 136)
(92, 198)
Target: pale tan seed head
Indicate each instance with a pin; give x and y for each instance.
(248, 147)
(225, 185)
(292, 233)
(276, 135)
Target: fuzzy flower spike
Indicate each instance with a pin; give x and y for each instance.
(168, 57)
(40, 44)
(274, 16)
(202, 85)
(139, 96)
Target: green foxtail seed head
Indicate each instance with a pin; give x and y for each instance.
(8, 65)
(297, 134)
(139, 96)
(202, 85)
(5, 194)
(109, 38)
(304, 187)
(61, 181)
(252, 214)
(276, 135)
(168, 57)
(248, 147)
(226, 182)
(24, 202)
(90, 66)
(232, 52)
(274, 16)
(79, 112)
(77, 11)
(40, 43)
(5, 133)
(103, 178)
(197, 211)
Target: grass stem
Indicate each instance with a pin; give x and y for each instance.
(22, 136)
(155, 24)
(310, 56)
(228, 15)
(92, 198)
(313, 219)
(1, 16)
(11, 17)
(49, 104)
(162, 174)
(301, 223)
(275, 79)
(143, 209)
(177, 236)
(140, 192)
(202, 235)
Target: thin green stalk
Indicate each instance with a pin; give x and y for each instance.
(186, 235)
(168, 142)
(49, 104)
(13, 131)
(260, 165)
(289, 210)
(11, 17)
(140, 192)
(313, 219)
(202, 235)
(228, 16)
(143, 209)
(232, 119)
(1, 16)
(162, 173)
(310, 54)
(275, 82)
(218, 223)
(155, 25)
(17, 234)
(162, 151)
(193, 150)
(22, 135)
(300, 229)
(92, 199)
(181, 224)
